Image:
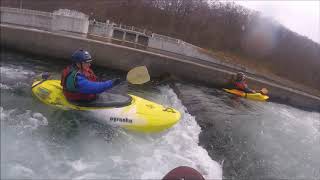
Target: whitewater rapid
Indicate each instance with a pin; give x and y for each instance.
(38, 142)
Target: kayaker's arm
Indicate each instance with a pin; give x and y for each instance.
(90, 87)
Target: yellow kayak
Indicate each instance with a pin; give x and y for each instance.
(130, 112)
(253, 96)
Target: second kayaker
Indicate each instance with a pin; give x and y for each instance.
(239, 82)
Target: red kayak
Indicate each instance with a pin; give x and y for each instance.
(183, 173)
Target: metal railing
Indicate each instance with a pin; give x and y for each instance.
(130, 28)
(104, 26)
(96, 23)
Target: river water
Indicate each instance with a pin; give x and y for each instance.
(219, 135)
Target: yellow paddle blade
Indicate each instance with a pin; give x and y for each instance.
(264, 91)
(138, 75)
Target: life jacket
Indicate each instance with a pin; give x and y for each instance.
(69, 84)
(241, 85)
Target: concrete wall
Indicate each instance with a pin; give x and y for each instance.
(70, 21)
(100, 29)
(36, 19)
(164, 42)
(177, 46)
(119, 32)
(125, 58)
(76, 23)
(69, 24)
(60, 21)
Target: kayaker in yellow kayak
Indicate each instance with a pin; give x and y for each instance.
(239, 83)
(79, 81)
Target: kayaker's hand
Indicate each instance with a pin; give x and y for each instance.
(116, 81)
(45, 75)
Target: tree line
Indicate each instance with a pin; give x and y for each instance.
(215, 25)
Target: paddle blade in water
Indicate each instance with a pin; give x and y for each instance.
(138, 75)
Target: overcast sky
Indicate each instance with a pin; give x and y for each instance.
(302, 17)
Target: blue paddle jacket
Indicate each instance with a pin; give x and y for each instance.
(90, 87)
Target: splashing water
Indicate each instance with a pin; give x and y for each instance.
(40, 142)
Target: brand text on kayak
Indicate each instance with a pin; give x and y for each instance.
(117, 119)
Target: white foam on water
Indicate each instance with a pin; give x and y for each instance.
(184, 137)
(93, 176)
(289, 135)
(21, 171)
(19, 144)
(151, 156)
(29, 150)
(23, 120)
(80, 165)
(5, 87)
(15, 77)
(15, 73)
(291, 120)
(90, 154)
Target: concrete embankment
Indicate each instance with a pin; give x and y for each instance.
(114, 56)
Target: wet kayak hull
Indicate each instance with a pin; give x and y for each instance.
(140, 115)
